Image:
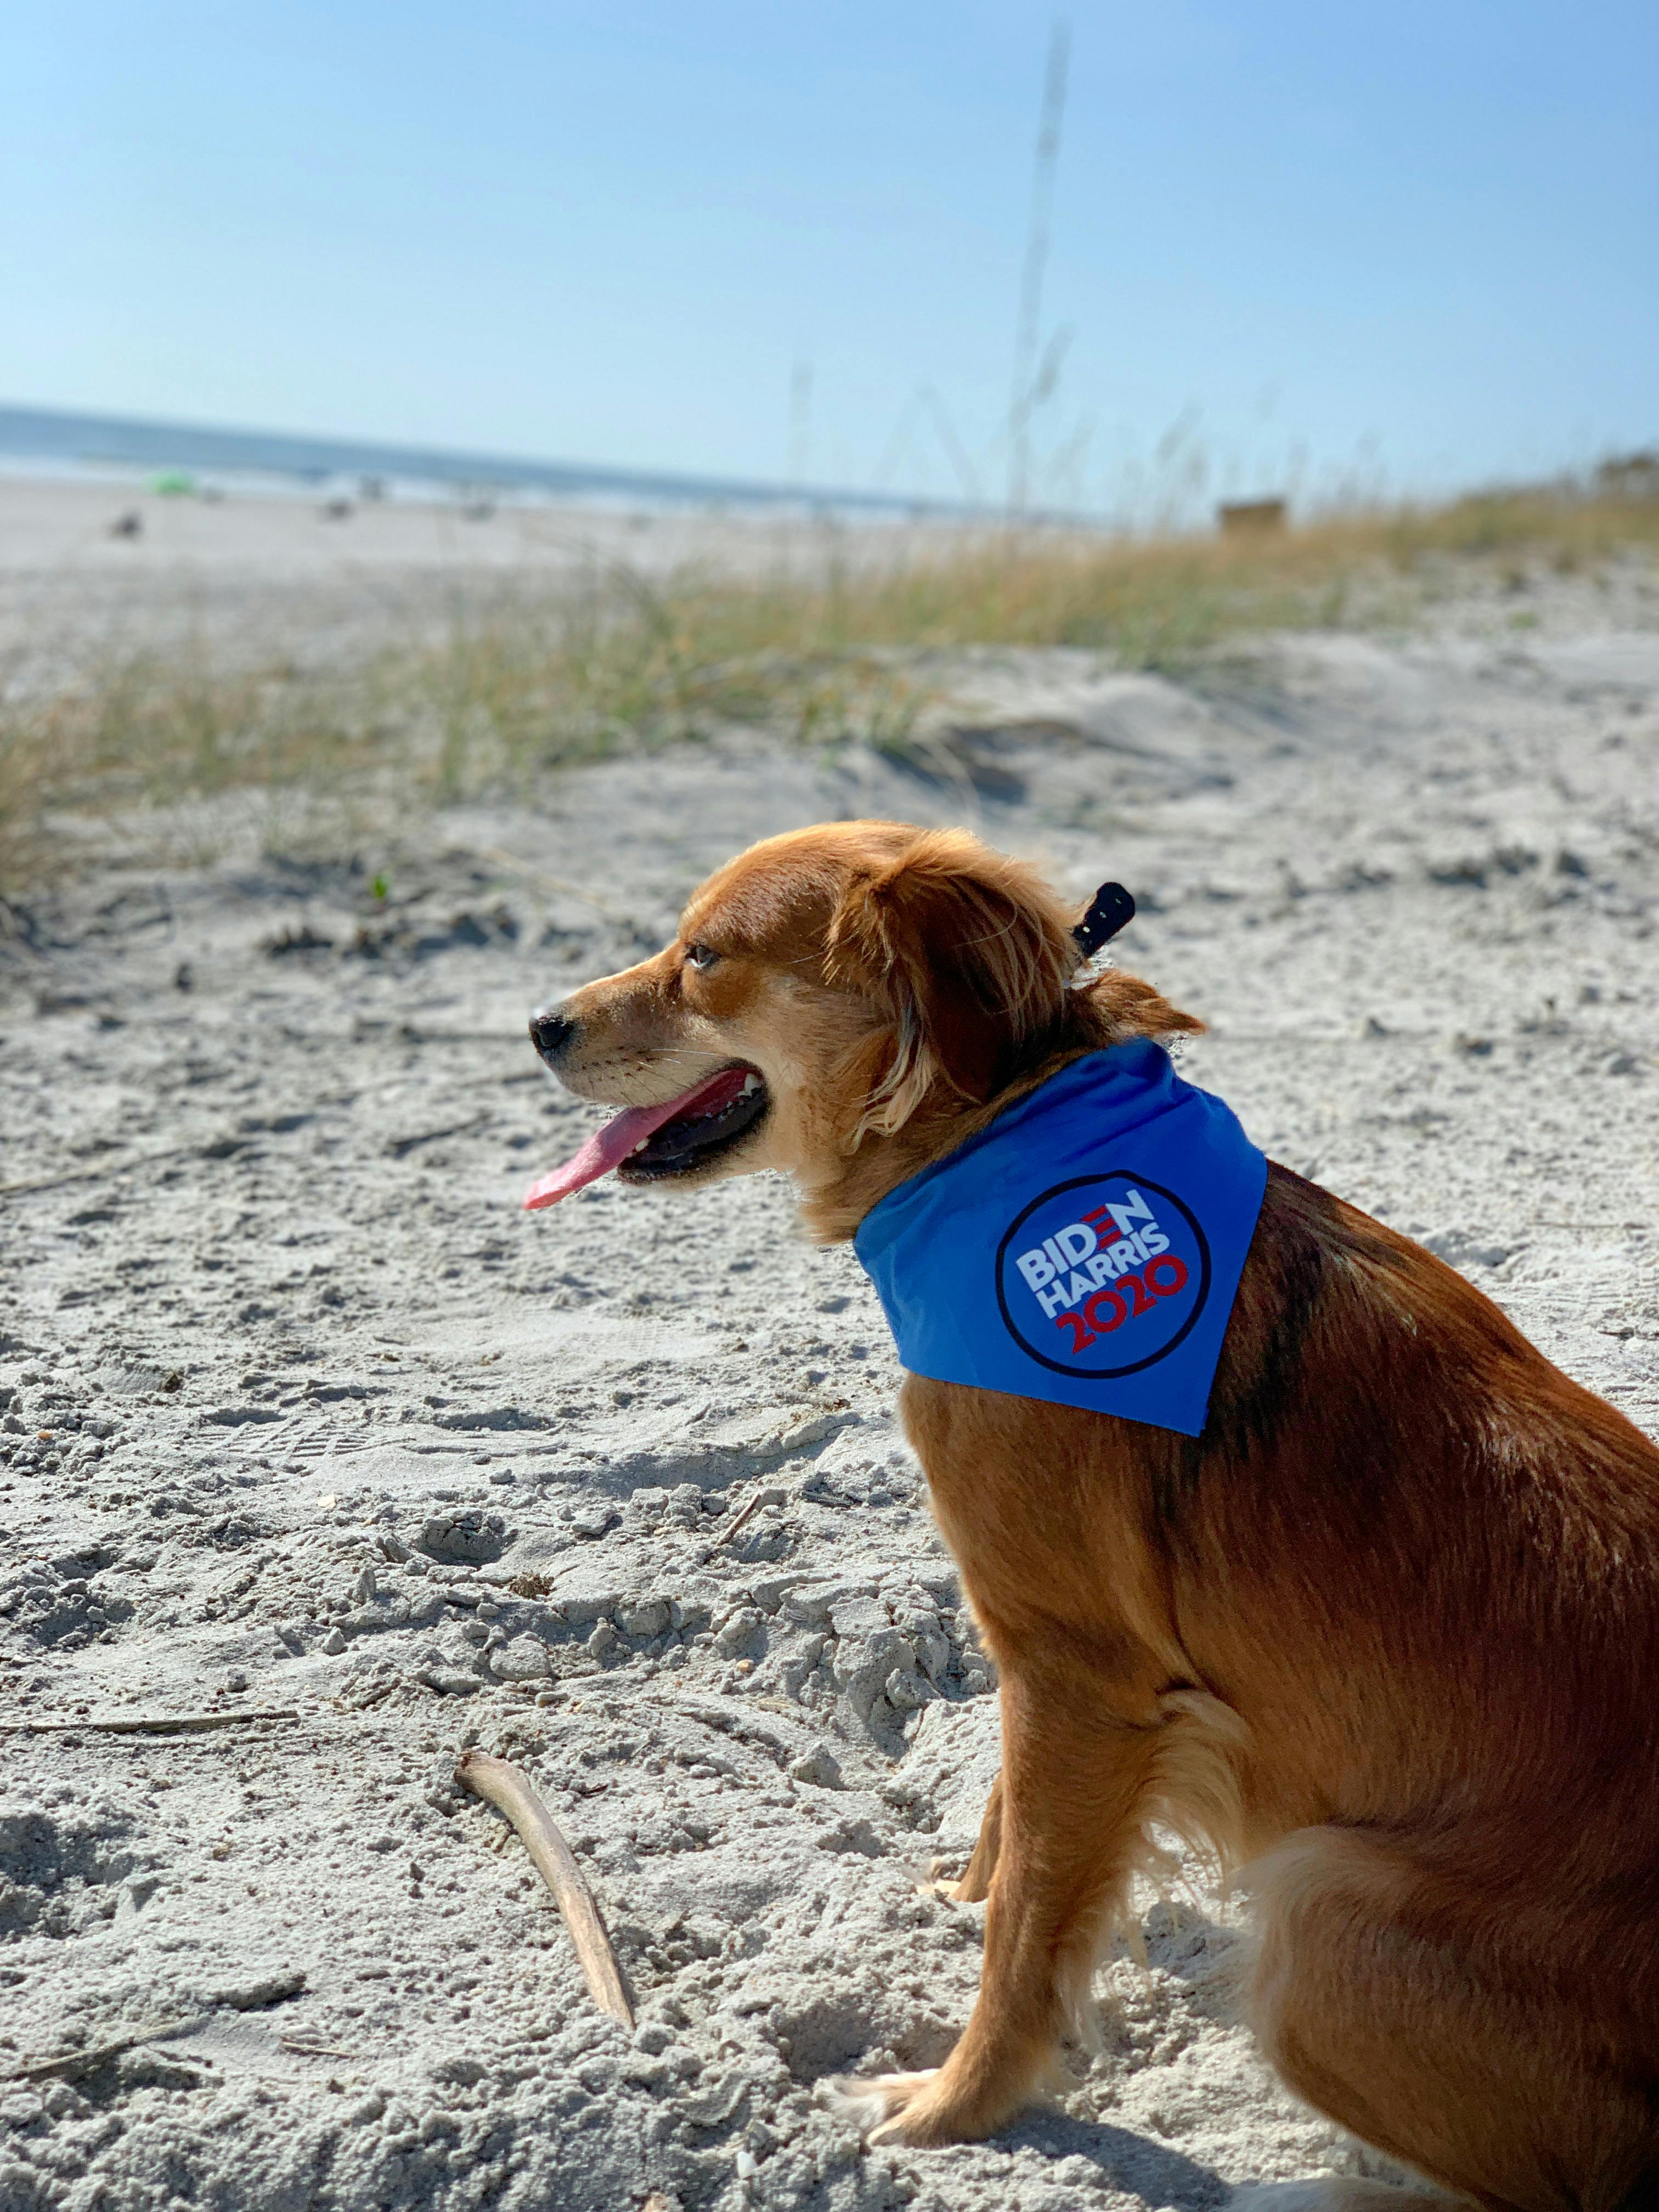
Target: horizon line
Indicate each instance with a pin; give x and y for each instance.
(32, 432)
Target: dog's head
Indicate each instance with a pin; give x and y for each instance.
(851, 991)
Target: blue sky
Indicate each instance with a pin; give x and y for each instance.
(1306, 239)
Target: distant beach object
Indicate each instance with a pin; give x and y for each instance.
(1629, 476)
(1245, 518)
(174, 483)
(129, 525)
(338, 510)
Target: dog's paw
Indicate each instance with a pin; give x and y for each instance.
(884, 2108)
(919, 2109)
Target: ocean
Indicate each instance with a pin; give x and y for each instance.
(48, 439)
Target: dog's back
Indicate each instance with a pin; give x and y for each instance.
(1391, 1462)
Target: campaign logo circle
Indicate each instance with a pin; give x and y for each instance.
(1102, 1276)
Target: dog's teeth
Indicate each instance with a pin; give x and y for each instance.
(751, 1083)
(641, 1144)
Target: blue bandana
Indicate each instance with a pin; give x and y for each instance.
(1085, 1248)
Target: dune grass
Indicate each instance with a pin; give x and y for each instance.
(528, 681)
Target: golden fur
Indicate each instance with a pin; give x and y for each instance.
(1390, 1628)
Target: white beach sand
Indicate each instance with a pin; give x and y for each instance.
(246, 574)
(291, 1393)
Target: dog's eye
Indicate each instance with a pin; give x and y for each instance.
(701, 956)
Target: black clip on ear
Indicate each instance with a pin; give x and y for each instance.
(1109, 909)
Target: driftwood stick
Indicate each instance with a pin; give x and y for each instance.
(507, 1788)
(150, 1724)
(396, 1147)
(744, 1518)
(97, 1174)
(72, 2065)
(303, 2047)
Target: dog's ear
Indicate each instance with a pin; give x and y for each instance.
(970, 953)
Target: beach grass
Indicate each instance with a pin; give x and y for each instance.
(523, 681)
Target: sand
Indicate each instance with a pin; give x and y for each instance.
(306, 576)
(301, 1418)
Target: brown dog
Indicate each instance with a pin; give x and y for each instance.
(1389, 1627)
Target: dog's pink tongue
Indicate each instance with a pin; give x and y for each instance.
(610, 1146)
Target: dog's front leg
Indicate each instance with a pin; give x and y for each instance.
(1071, 1797)
(974, 1884)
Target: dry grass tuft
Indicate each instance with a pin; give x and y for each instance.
(614, 661)
(24, 788)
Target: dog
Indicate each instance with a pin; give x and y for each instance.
(1386, 1632)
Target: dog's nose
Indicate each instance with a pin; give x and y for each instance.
(550, 1032)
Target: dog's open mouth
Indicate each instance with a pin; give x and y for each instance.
(650, 1143)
